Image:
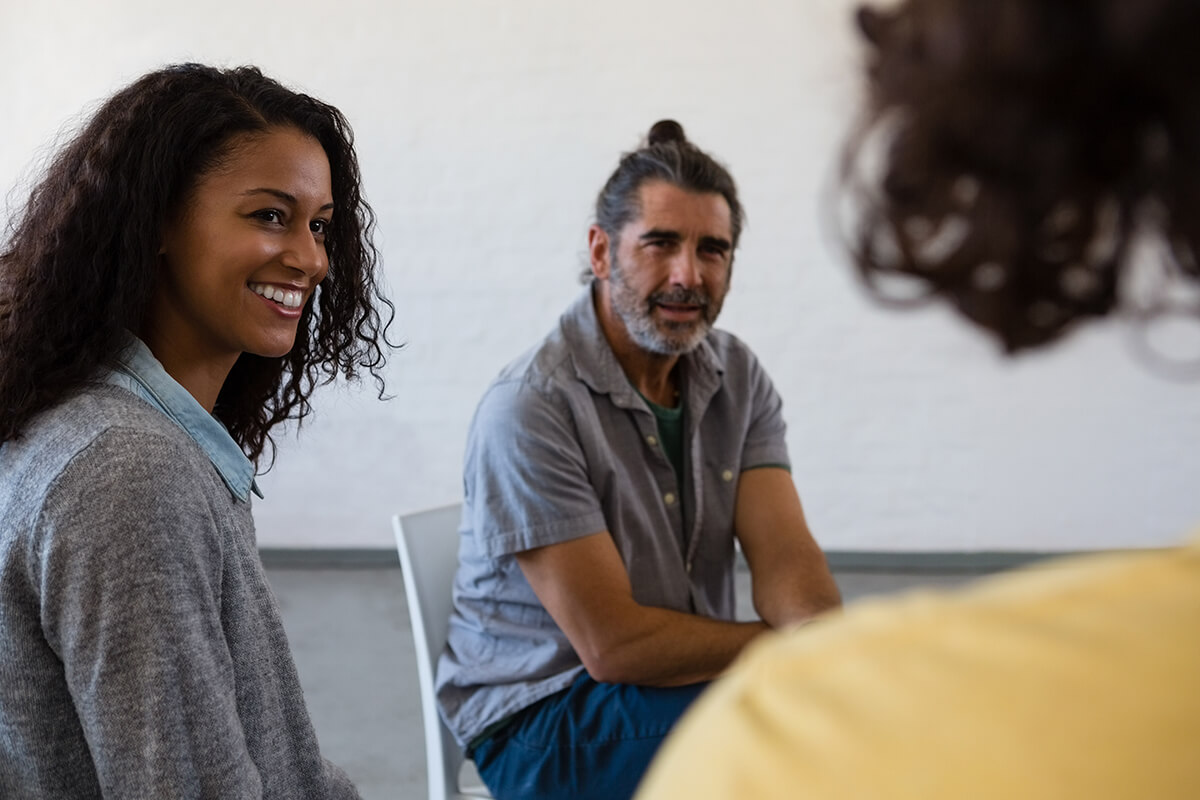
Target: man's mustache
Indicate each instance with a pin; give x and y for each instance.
(680, 296)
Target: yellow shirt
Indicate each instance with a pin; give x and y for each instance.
(1074, 679)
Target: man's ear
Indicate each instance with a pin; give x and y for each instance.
(599, 252)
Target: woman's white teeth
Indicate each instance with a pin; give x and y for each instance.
(285, 297)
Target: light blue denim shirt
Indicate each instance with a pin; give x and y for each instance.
(137, 370)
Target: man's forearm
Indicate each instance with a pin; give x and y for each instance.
(583, 584)
(782, 609)
(789, 574)
(791, 594)
(660, 647)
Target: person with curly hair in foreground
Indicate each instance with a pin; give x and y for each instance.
(1027, 144)
(190, 266)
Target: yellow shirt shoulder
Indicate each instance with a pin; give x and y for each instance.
(1076, 678)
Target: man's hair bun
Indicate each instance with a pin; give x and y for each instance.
(664, 131)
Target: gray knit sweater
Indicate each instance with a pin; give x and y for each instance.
(141, 650)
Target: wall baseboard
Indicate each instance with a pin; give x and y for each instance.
(329, 557)
(949, 562)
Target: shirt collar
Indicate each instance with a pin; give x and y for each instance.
(136, 369)
(596, 364)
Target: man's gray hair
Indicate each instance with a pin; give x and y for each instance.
(668, 156)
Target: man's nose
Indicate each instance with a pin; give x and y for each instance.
(685, 269)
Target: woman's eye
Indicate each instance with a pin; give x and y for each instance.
(271, 215)
(319, 226)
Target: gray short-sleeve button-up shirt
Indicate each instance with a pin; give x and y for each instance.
(561, 447)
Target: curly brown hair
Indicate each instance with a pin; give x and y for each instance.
(79, 265)
(1024, 146)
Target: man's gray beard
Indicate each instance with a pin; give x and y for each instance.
(639, 319)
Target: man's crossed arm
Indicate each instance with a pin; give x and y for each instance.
(584, 586)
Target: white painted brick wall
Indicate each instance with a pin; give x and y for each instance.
(485, 129)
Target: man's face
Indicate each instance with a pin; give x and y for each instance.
(669, 268)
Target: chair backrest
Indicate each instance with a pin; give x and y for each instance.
(427, 543)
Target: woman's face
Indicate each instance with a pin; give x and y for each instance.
(243, 257)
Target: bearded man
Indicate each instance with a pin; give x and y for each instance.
(608, 473)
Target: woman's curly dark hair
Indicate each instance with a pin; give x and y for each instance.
(79, 266)
(1024, 145)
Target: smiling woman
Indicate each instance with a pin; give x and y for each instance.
(191, 265)
(241, 259)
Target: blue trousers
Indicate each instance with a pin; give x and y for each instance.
(591, 740)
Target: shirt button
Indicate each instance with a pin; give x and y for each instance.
(650, 440)
(727, 475)
(669, 498)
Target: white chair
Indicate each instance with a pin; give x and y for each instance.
(427, 542)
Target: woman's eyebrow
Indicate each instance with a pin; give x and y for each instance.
(282, 195)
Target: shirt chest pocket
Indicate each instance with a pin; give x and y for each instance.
(718, 500)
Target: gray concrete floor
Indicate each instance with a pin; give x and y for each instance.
(350, 637)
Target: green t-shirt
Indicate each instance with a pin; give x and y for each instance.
(670, 433)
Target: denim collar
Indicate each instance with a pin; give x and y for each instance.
(135, 368)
